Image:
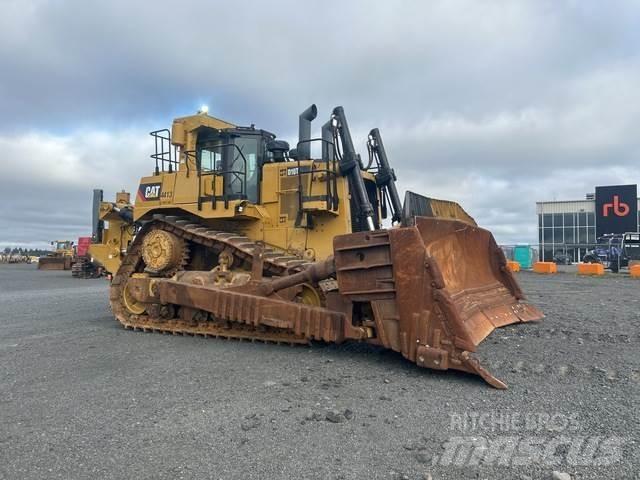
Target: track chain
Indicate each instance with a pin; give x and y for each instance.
(276, 262)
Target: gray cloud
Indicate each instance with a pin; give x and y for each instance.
(495, 104)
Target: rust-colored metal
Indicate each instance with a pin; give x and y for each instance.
(437, 289)
(55, 262)
(432, 291)
(313, 273)
(228, 305)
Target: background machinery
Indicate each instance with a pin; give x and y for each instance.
(60, 259)
(615, 250)
(83, 266)
(240, 236)
(14, 257)
(112, 232)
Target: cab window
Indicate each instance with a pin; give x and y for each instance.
(237, 156)
(211, 158)
(246, 152)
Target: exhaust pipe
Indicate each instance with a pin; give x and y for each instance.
(304, 132)
(97, 225)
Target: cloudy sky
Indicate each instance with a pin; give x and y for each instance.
(495, 104)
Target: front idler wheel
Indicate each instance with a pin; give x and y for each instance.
(131, 304)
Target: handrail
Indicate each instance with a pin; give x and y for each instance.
(332, 190)
(239, 174)
(162, 155)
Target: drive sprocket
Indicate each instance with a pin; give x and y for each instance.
(163, 252)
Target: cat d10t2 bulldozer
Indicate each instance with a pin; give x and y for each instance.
(242, 237)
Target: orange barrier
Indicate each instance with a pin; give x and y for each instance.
(590, 269)
(634, 271)
(545, 267)
(513, 265)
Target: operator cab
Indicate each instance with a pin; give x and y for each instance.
(62, 245)
(238, 155)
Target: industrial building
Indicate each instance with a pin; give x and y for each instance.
(572, 227)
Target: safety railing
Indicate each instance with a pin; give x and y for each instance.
(166, 154)
(226, 195)
(331, 196)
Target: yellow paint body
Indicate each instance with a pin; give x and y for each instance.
(273, 219)
(60, 258)
(116, 237)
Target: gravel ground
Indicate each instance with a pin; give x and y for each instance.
(82, 398)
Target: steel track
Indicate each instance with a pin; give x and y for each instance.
(276, 262)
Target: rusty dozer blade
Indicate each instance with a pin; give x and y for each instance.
(54, 263)
(436, 290)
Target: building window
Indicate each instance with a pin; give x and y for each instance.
(568, 219)
(582, 236)
(582, 219)
(569, 235)
(557, 235)
(557, 219)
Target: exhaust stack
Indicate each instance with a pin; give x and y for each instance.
(97, 225)
(304, 132)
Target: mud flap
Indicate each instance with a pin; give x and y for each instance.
(437, 289)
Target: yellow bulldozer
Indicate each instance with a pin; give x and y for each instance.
(239, 236)
(112, 231)
(61, 258)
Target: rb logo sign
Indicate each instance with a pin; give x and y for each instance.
(620, 209)
(616, 209)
